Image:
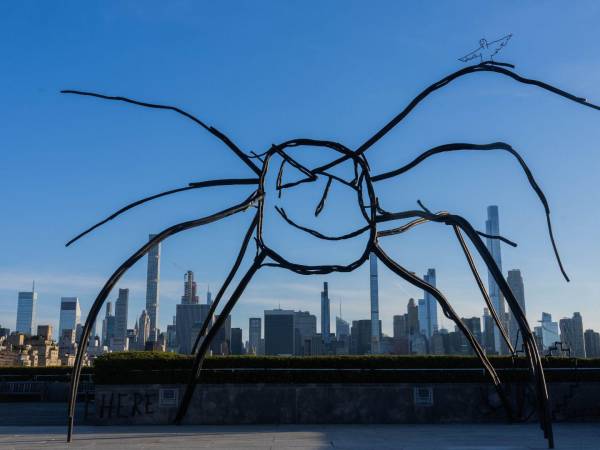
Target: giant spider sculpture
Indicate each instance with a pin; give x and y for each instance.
(269, 186)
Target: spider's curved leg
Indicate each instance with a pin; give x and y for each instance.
(452, 315)
(528, 338)
(212, 332)
(502, 146)
(219, 135)
(232, 272)
(483, 290)
(195, 185)
(116, 276)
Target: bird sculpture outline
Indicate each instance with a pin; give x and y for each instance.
(487, 50)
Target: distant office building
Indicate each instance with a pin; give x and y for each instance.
(120, 339)
(473, 324)
(108, 326)
(152, 288)
(209, 299)
(592, 344)
(547, 331)
(515, 282)
(305, 327)
(171, 336)
(342, 328)
(492, 227)
(360, 337)
(221, 344)
(254, 335)
(375, 324)
(188, 315)
(400, 326)
(571, 334)
(279, 332)
(45, 332)
(428, 320)
(26, 312)
(143, 330)
(70, 314)
(488, 332)
(412, 316)
(189, 293)
(325, 314)
(236, 341)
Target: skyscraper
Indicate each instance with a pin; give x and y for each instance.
(305, 327)
(143, 327)
(374, 285)
(27, 312)
(412, 312)
(488, 332)
(236, 341)
(515, 282)
(70, 314)
(325, 314)
(429, 321)
(492, 227)
(189, 293)
(342, 329)
(547, 331)
(279, 332)
(152, 288)
(400, 326)
(108, 325)
(571, 335)
(592, 344)
(120, 341)
(188, 316)
(254, 334)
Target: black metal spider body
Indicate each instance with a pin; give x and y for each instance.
(373, 217)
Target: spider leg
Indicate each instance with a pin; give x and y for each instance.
(195, 185)
(529, 345)
(222, 137)
(212, 332)
(116, 276)
(225, 285)
(461, 146)
(472, 266)
(451, 314)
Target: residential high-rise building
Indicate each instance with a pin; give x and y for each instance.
(143, 330)
(488, 332)
(305, 327)
(254, 334)
(492, 227)
(342, 329)
(412, 314)
(400, 326)
(221, 344)
(120, 339)
(188, 316)
(236, 341)
(70, 314)
(429, 320)
(374, 285)
(108, 325)
(152, 288)
(592, 344)
(571, 335)
(515, 282)
(279, 332)
(325, 314)
(27, 312)
(547, 331)
(189, 293)
(360, 337)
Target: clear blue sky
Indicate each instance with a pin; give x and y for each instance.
(265, 72)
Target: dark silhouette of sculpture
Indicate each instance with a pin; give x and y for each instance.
(487, 50)
(374, 216)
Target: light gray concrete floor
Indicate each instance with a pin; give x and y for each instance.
(297, 437)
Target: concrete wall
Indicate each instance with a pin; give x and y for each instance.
(337, 403)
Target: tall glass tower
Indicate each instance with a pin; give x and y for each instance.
(325, 314)
(375, 347)
(26, 312)
(152, 286)
(492, 226)
(430, 304)
(70, 314)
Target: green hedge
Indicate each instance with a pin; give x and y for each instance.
(170, 368)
